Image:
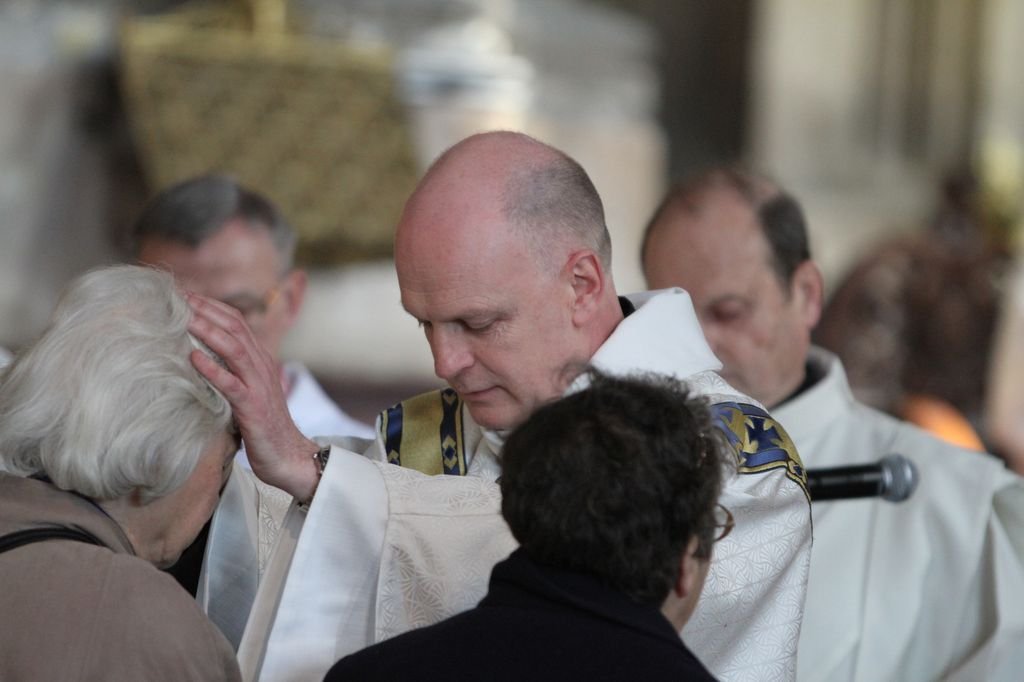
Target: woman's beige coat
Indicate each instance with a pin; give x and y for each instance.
(74, 611)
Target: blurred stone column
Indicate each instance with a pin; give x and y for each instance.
(1001, 131)
(861, 107)
(55, 179)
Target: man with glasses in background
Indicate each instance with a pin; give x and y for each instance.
(225, 241)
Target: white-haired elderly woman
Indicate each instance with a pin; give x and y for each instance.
(112, 452)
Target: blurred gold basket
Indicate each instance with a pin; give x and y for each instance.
(314, 124)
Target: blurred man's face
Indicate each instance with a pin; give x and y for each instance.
(241, 267)
(757, 326)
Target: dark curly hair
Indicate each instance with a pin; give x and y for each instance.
(614, 480)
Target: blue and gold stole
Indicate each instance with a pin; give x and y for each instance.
(758, 441)
(425, 433)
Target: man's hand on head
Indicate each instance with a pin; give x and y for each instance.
(279, 454)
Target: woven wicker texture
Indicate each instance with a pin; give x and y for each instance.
(314, 124)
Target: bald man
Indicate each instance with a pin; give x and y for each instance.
(931, 588)
(503, 259)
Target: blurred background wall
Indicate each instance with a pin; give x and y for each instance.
(863, 108)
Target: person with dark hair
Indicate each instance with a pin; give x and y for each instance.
(502, 257)
(612, 495)
(922, 590)
(924, 305)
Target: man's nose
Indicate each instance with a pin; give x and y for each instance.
(451, 353)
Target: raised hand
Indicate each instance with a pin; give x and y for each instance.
(278, 453)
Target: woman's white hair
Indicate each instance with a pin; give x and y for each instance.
(106, 401)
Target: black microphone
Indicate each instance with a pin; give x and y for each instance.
(892, 478)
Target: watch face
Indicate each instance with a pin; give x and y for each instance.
(321, 457)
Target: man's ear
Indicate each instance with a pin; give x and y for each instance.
(682, 598)
(293, 290)
(807, 289)
(690, 578)
(587, 278)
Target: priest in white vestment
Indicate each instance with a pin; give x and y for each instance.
(941, 575)
(931, 588)
(503, 258)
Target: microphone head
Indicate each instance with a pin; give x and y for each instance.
(899, 478)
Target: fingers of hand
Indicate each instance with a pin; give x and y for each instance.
(222, 329)
(211, 307)
(226, 382)
(218, 314)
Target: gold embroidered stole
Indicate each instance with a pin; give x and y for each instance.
(425, 433)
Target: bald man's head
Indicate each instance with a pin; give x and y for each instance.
(502, 254)
(542, 193)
